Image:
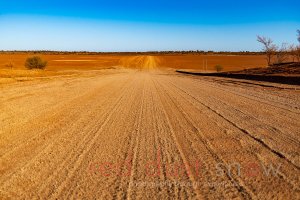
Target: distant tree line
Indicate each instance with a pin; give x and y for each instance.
(197, 52)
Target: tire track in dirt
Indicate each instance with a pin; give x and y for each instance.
(142, 63)
(135, 147)
(240, 187)
(162, 147)
(45, 132)
(217, 83)
(114, 127)
(182, 154)
(91, 136)
(96, 132)
(38, 93)
(147, 116)
(292, 181)
(30, 127)
(88, 147)
(290, 140)
(142, 154)
(48, 145)
(283, 123)
(121, 181)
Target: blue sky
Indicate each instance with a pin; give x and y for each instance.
(145, 25)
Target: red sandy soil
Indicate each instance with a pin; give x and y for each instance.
(198, 62)
(185, 61)
(145, 132)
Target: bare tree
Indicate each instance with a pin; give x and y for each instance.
(282, 53)
(296, 53)
(269, 48)
(297, 48)
(292, 49)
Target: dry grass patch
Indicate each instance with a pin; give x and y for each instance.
(14, 75)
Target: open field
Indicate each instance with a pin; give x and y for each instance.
(143, 131)
(67, 64)
(176, 61)
(199, 62)
(63, 62)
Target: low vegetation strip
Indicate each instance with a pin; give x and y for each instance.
(291, 80)
(286, 74)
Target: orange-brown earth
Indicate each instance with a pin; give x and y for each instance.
(63, 62)
(68, 64)
(208, 62)
(148, 133)
(184, 61)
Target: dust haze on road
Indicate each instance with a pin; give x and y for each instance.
(146, 133)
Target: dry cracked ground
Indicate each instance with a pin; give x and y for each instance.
(149, 134)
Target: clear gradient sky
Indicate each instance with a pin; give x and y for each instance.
(138, 25)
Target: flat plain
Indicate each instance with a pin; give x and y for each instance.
(130, 127)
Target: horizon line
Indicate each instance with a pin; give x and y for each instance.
(152, 51)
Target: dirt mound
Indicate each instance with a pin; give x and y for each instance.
(287, 73)
(287, 69)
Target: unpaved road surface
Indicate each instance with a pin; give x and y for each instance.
(134, 134)
(144, 63)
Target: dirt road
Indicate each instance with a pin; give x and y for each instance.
(137, 134)
(145, 63)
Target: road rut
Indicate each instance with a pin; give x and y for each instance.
(138, 134)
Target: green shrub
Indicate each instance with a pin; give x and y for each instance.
(218, 68)
(35, 62)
